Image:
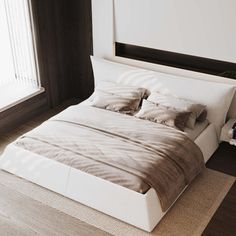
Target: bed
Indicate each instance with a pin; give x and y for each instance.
(30, 160)
(141, 209)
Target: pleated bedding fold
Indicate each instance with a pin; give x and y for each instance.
(125, 150)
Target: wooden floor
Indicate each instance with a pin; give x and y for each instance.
(13, 215)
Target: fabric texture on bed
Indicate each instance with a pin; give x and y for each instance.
(163, 115)
(113, 102)
(119, 148)
(180, 104)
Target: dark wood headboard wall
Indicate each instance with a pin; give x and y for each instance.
(178, 60)
(64, 36)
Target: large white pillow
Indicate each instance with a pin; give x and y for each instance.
(216, 96)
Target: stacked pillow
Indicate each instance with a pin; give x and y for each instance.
(164, 109)
(163, 115)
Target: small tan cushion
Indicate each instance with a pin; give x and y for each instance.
(179, 104)
(163, 115)
(114, 103)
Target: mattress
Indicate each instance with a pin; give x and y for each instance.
(198, 129)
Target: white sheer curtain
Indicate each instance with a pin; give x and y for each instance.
(17, 52)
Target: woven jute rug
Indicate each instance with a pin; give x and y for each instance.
(189, 216)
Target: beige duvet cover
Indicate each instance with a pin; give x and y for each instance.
(125, 150)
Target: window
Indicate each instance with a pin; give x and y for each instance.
(18, 68)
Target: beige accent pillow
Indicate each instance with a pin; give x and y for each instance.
(179, 104)
(115, 103)
(122, 90)
(163, 115)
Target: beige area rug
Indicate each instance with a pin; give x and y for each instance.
(189, 216)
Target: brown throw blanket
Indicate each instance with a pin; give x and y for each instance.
(125, 150)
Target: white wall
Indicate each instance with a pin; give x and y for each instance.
(205, 28)
(103, 28)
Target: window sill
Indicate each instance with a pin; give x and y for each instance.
(13, 94)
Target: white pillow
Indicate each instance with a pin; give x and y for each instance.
(216, 96)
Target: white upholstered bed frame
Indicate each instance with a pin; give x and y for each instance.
(141, 210)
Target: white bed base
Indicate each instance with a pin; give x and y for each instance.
(141, 210)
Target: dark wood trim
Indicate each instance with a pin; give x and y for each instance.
(47, 19)
(64, 43)
(178, 60)
(17, 115)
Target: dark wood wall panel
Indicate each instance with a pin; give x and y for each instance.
(178, 60)
(80, 48)
(15, 116)
(47, 44)
(64, 39)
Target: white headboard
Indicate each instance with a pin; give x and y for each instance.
(201, 28)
